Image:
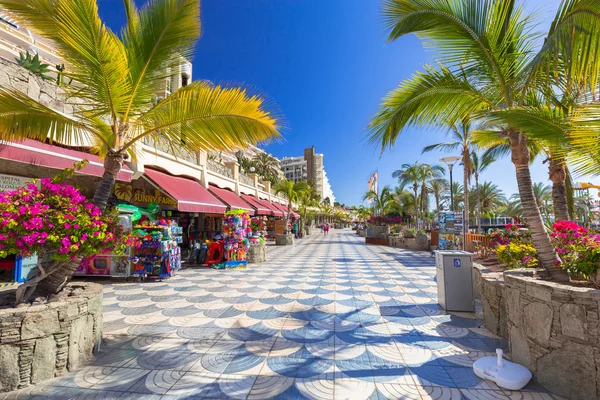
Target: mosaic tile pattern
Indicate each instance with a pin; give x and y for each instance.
(329, 318)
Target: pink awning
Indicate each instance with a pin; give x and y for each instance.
(231, 199)
(276, 211)
(260, 208)
(56, 157)
(190, 195)
(286, 210)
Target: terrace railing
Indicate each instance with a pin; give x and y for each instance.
(219, 168)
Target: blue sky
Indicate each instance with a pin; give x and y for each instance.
(326, 65)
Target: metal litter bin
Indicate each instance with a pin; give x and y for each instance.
(455, 280)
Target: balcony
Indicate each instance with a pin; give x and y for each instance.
(180, 153)
(219, 168)
(246, 180)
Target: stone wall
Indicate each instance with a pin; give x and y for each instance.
(489, 286)
(41, 342)
(45, 91)
(553, 330)
(379, 232)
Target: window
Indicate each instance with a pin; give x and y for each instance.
(184, 80)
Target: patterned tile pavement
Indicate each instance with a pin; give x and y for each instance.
(329, 318)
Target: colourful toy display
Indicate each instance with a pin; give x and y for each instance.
(236, 231)
(158, 256)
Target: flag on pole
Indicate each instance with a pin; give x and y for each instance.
(373, 180)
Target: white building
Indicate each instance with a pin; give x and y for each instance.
(309, 167)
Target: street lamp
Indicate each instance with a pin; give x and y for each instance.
(450, 161)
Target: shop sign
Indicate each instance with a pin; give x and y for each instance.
(143, 196)
(11, 182)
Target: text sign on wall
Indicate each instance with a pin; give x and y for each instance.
(11, 182)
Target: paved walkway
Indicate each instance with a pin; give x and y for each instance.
(329, 318)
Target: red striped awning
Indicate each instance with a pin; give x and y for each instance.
(257, 205)
(276, 211)
(47, 155)
(230, 198)
(190, 195)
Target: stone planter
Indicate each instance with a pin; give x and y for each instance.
(361, 232)
(490, 288)
(40, 342)
(553, 330)
(257, 253)
(284, 239)
(380, 231)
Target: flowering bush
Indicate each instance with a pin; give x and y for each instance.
(577, 248)
(517, 255)
(511, 234)
(257, 224)
(381, 220)
(56, 219)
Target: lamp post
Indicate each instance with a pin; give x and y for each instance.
(450, 161)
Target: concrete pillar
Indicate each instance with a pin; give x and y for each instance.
(267, 188)
(254, 177)
(202, 161)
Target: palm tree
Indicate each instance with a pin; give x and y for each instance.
(490, 196)
(381, 202)
(487, 64)
(115, 78)
(417, 175)
(437, 187)
(478, 165)
(463, 142)
(364, 213)
(457, 196)
(112, 89)
(266, 165)
(511, 208)
(307, 200)
(293, 191)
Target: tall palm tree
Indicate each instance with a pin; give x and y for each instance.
(462, 142)
(293, 191)
(381, 202)
(437, 187)
(478, 165)
(266, 165)
(457, 197)
(416, 176)
(115, 79)
(487, 64)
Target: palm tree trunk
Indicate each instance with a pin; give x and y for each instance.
(112, 166)
(558, 175)
(545, 251)
(478, 203)
(466, 161)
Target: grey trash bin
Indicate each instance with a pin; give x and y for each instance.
(455, 280)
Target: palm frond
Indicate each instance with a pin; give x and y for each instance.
(445, 146)
(432, 97)
(203, 117)
(21, 117)
(157, 38)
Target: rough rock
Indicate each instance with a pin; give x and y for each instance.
(44, 360)
(257, 253)
(573, 321)
(9, 367)
(519, 349)
(37, 325)
(539, 321)
(285, 239)
(569, 371)
(81, 342)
